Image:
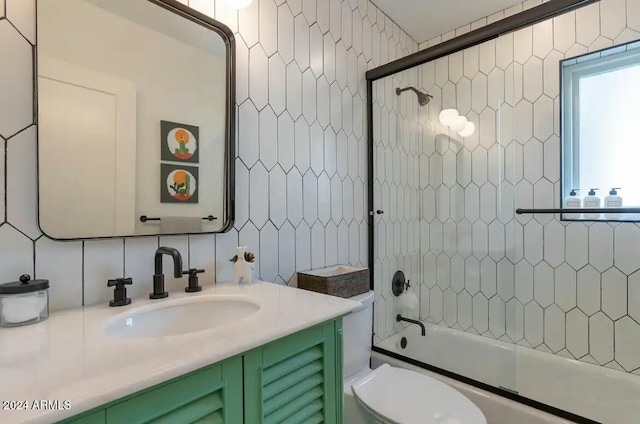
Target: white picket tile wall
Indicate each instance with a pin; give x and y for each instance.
(302, 157)
(568, 288)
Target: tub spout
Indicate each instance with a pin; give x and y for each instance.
(412, 321)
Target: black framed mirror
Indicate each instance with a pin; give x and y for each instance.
(136, 119)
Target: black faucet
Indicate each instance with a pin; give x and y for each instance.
(412, 321)
(158, 276)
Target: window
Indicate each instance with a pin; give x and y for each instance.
(601, 126)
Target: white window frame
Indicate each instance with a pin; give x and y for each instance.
(572, 70)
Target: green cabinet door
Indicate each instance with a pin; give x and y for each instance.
(97, 417)
(297, 379)
(210, 395)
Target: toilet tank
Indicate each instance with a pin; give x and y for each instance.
(357, 328)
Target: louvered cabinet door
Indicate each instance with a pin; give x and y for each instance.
(212, 395)
(296, 380)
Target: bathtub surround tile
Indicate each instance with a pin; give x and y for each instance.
(564, 285)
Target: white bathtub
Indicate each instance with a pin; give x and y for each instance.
(598, 393)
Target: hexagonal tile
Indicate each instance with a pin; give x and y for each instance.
(564, 31)
(310, 197)
(248, 19)
(587, 24)
(497, 316)
(487, 53)
(317, 245)
(17, 252)
(303, 246)
(286, 136)
(258, 200)
(259, 77)
(523, 44)
(543, 118)
(324, 198)
(488, 277)
(465, 319)
(472, 274)
(577, 333)
(543, 284)
(601, 338)
(524, 282)
(515, 320)
(614, 293)
(480, 239)
(16, 81)
(533, 324)
(523, 121)
(268, 29)
(286, 251)
(551, 74)
(627, 244)
(554, 328)
(336, 107)
(479, 160)
(496, 240)
(323, 107)
(331, 244)
(554, 243)
(543, 38)
(450, 304)
(627, 343)
(294, 90)
(277, 196)
(479, 90)
(612, 18)
(480, 313)
(488, 202)
(21, 183)
(285, 33)
(309, 95)
(565, 287)
(577, 243)
(268, 138)
(588, 290)
(533, 152)
(435, 304)
(504, 51)
(533, 242)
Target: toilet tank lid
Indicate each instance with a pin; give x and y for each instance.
(402, 396)
(365, 300)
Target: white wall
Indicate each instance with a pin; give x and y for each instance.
(301, 166)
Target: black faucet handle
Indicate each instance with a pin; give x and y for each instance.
(122, 281)
(120, 293)
(193, 280)
(192, 272)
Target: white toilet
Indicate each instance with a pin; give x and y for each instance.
(390, 395)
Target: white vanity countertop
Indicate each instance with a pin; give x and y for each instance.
(69, 357)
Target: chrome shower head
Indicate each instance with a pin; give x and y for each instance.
(423, 98)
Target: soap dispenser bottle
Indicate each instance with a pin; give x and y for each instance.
(592, 202)
(573, 202)
(613, 201)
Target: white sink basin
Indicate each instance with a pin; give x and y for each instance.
(182, 316)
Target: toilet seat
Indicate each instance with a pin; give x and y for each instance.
(399, 396)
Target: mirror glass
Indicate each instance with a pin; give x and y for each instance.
(133, 120)
(600, 131)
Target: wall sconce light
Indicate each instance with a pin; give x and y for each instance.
(238, 4)
(452, 119)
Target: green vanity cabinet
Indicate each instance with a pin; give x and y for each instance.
(210, 395)
(296, 379)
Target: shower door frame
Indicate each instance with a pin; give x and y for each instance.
(548, 10)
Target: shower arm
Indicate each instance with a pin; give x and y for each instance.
(411, 321)
(400, 90)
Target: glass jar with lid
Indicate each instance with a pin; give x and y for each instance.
(24, 302)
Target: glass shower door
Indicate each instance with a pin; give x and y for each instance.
(455, 244)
